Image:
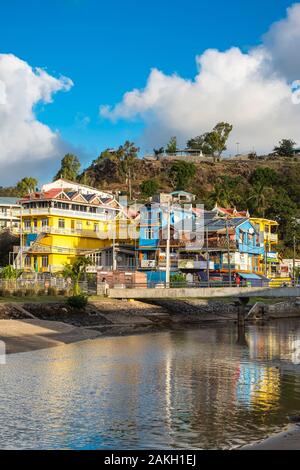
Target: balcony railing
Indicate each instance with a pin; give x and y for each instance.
(68, 213)
(272, 237)
(148, 263)
(65, 231)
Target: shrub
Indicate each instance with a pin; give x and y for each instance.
(19, 293)
(52, 291)
(79, 302)
(30, 292)
(5, 293)
(178, 279)
(63, 292)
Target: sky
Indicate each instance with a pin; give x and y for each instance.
(83, 75)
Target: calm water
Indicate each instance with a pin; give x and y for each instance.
(189, 389)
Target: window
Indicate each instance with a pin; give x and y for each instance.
(28, 261)
(79, 225)
(96, 227)
(45, 223)
(61, 223)
(27, 224)
(149, 234)
(45, 262)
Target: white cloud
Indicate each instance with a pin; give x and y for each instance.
(248, 90)
(283, 43)
(24, 140)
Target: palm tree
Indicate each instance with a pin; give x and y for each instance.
(224, 191)
(75, 271)
(259, 196)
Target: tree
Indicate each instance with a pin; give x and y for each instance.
(149, 188)
(262, 180)
(76, 271)
(9, 273)
(214, 142)
(70, 166)
(285, 148)
(283, 210)
(199, 143)
(217, 139)
(26, 185)
(181, 173)
(159, 151)
(224, 192)
(264, 177)
(126, 156)
(172, 146)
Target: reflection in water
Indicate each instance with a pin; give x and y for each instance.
(206, 388)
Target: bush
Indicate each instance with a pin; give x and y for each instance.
(52, 291)
(178, 280)
(5, 293)
(63, 292)
(30, 292)
(19, 293)
(79, 302)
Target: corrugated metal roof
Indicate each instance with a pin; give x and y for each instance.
(9, 200)
(218, 224)
(250, 276)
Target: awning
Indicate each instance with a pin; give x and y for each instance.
(250, 276)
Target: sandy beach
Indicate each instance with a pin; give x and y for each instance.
(29, 335)
(289, 439)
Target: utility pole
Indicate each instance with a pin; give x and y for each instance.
(237, 148)
(294, 261)
(21, 238)
(168, 263)
(228, 253)
(207, 258)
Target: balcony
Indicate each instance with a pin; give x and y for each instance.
(148, 263)
(65, 231)
(192, 264)
(46, 211)
(271, 237)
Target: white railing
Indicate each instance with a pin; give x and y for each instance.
(63, 231)
(146, 263)
(272, 237)
(68, 213)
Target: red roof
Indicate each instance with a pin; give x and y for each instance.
(232, 212)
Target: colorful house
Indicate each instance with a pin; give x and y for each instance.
(9, 214)
(61, 223)
(153, 237)
(268, 232)
(235, 239)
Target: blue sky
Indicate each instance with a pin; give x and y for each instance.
(108, 48)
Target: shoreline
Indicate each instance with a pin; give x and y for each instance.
(31, 326)
(288, 439)
(28, 326)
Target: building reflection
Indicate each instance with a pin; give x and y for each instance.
(203, 388)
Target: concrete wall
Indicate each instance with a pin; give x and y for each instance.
(143, 293)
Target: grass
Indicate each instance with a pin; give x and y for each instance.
(36, 299)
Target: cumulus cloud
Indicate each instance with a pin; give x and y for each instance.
(250, 90)
(24, 140)
(283, 43)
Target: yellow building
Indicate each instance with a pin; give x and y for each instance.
(59, 224)
(268, 233)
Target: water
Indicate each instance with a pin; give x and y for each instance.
(195, 389)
